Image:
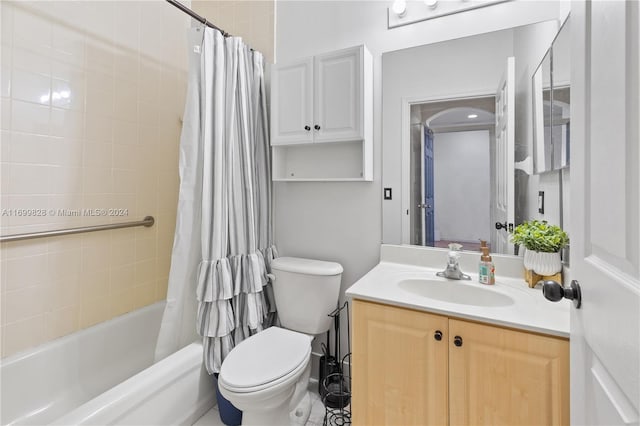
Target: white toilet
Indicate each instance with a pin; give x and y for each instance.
(266, 376)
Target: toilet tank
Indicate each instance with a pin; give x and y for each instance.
(306, 291)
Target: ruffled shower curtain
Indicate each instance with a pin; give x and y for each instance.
(223, 245)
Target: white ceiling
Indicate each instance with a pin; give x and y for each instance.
(459, 117)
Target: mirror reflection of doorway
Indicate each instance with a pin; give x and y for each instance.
(428, 202)
(452, 151)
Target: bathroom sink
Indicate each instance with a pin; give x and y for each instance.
(451, 292)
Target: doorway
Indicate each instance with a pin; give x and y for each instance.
(452, 171)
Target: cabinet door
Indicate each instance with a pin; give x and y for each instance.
(292, 103)
(506, 377)
(399, 368)
(339, 86)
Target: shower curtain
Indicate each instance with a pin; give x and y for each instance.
(223, 244)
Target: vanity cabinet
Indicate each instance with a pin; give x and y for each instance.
(399, 368)
(416, 368)
(322, 117)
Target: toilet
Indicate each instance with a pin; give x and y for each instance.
(267, 375)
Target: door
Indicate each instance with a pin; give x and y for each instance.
(400, 374)
(428, 225)
(605, 212)
(506, 377)
(504, 162)
(292, 103)
(338, 95)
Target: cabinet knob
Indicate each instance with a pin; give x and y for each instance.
(316, 127)
(307, 128)
(437, 335)
(457, 341)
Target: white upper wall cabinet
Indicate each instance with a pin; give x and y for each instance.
(322, 117)
(292, 103)
(320, 99)
(338, 97)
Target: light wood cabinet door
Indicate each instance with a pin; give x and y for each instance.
(338, 112)
(506, 377)
(292, 103)
(399, 368)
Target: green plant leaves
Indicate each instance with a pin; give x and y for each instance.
(538, 235)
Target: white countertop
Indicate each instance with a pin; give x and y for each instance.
(530, 310)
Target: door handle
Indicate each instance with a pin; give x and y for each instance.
(554, 291)
(506, 226)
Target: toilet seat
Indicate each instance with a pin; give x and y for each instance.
(264, 360)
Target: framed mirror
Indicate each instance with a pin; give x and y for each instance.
(551, 88)
(430, 96)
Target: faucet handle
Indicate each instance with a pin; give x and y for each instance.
(455, 246)
(454, 251)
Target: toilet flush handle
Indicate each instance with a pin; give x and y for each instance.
(271, 277)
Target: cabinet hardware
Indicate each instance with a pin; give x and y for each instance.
(316, 127)
(437, 335)
(457, 341)
(307, 128)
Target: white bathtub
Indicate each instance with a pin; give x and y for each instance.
(105, 375)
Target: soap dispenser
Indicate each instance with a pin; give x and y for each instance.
(487, 271)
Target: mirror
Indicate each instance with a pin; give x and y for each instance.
(561, 95)
(551, 105)
(461, 111)
(541, 90)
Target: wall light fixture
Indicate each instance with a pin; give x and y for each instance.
(432, 4)
(404, 13)
(399, 8)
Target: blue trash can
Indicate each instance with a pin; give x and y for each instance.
(229, 414)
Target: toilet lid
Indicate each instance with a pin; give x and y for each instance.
(265, 357)
(306, 266)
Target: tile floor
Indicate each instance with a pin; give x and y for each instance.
(212, 417)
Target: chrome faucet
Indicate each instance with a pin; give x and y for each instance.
(452, 271)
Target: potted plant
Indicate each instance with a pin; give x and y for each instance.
(543, 243)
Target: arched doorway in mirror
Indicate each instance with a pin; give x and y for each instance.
(452, 170)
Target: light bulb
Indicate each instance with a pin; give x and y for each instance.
(431, 3)
(472, 116)
(399, 7)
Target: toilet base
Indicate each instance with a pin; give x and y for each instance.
(299, 415)
(279, 416)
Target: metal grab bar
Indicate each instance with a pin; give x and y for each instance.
(147, 222)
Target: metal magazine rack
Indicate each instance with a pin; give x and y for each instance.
(335, 376)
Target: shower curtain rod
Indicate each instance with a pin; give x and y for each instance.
(196, 16)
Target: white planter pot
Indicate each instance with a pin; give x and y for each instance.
(542, 263)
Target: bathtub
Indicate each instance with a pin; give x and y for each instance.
(105, 375)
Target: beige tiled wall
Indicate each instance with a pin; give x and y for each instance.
(92, 95)
(253, 20)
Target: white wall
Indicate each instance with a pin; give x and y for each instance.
(462, 185)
